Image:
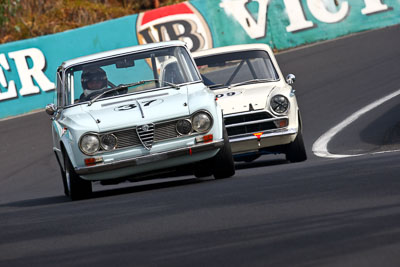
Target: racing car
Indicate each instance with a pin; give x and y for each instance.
(128, 113)
(260, 109)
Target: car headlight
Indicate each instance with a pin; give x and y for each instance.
(201, 122)
(279, 104)
(89, 144)
(108, 142)
(183, 127)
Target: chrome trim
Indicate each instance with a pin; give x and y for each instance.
(51, 109)
(245, 113)
(191, 126)
(134, 128)
(276, 113)
(254, 122)
(209, 114)
(290, 79)
(101, 142)
(145, 133)
(186, 151)
(80, 143)
(266, 134)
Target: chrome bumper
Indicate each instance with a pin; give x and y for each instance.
(266, 134)
(187, 151)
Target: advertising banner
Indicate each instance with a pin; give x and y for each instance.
(27, 68)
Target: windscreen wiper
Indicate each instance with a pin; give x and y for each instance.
(217, 85)
(125, 86)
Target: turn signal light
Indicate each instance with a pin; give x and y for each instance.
(205, 138)
(93, 161)
(281, 123)
(208, 138)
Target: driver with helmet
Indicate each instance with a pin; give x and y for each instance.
(92, 79)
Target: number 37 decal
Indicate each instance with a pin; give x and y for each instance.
(144, 104)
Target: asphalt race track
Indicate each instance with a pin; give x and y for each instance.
(322, 212)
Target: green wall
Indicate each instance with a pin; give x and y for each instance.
(201, 23)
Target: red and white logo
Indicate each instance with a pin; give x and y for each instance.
(177, 22)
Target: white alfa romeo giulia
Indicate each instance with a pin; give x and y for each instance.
(130, 113)
(260, 108)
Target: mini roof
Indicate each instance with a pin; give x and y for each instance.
(232, 48)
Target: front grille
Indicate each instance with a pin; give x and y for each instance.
(146, 134)
(249, 123)
(247, 117)
(127, 138)
(161, 131)
(165, 131)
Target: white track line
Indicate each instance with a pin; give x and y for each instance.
(320, 147)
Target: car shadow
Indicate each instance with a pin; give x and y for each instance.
(133, 187)
(260, 163)
(36, 202)
(141, 186)
(125, 188)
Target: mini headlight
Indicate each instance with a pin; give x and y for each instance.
(108, 142)
(183, 127)
(201, 122)
(89, 144)
(279, 104)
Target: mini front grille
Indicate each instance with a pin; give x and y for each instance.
(247, 117)
(251, 128)
(249, 122)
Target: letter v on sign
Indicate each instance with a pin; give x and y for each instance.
(255, 29)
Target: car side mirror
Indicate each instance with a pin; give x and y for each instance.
(51, 109)
(290, 79)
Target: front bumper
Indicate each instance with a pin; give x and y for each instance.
(186, 151)
(250, 142)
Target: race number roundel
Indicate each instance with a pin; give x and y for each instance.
(177, 22)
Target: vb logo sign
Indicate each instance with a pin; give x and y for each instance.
(177, 22)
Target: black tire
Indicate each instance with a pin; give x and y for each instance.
(295, 151)
(65, 185)
(203, 169)
(223, 165)
(74, 186)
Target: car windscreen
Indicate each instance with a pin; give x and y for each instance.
(130, 73)
(237, 67)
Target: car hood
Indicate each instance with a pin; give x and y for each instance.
(139, 109)
(243, 98)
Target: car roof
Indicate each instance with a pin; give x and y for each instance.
(232, 48)
(240, 48)
(120, 51)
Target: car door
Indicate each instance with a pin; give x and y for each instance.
(57, 130)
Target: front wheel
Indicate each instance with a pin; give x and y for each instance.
(295, 151)
(222, 163)
(74, 186)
